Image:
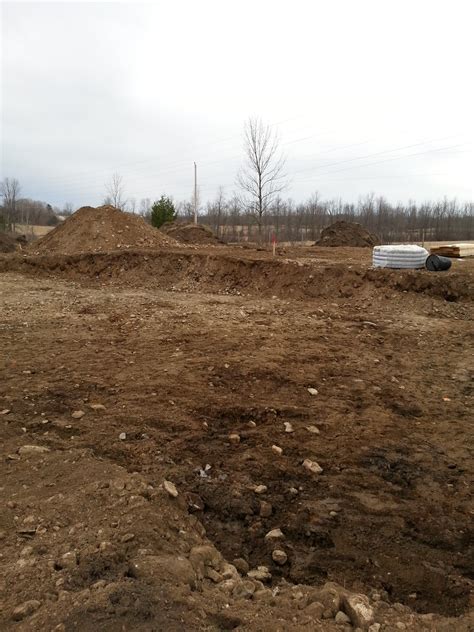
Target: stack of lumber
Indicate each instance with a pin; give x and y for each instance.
(454, 250)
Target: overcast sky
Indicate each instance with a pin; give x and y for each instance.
(365, 96)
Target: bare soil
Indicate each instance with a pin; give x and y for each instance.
(190, 233)
(203, 360)
(342, 233)
(99, 229)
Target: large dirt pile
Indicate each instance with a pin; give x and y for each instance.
(342, 233)
(189, 233)
(101, 229)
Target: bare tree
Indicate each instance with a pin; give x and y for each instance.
(145, 207)
(68, 209)
(216, 211)
(115, 191)
(132, 205)
(262, 177)
(10, 190)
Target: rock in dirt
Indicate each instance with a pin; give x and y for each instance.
(243, 589)
(315, 610)
(214, 575)
(26, 532)
(241, 565)
(97, 406)
(261, 574)
(25, 609)
(358, 608)
(127, 537)
(234, 438)
(227, 586)
(194, 501)
(266, 509)
(203, 557)
(77, 414)
(173, 569)
(341, 617)
(122, 436)
(5, 411)
(274, 534)
(312, 429)
(33, 449)
(279, 556)
(229, 571)
(288, 427)
(277, 450)
(68, 560)
(312, 391)
(330, 596)
(260, 489)
(312, 466)
(170, 488)
(264, 595)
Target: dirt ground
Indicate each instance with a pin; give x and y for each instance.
(126, 369)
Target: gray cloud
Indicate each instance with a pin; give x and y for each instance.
(365, 97)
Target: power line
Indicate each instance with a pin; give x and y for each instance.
(370, 164)
(176, 167)
(379, 153)
(194, 150)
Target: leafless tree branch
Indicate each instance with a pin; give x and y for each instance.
(262, 176)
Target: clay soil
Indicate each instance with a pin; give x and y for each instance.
(342, 233)
(100, 229)
(180, 350)
(189, 233)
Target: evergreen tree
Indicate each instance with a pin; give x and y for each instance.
(162, 211)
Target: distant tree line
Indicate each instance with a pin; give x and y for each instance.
(291, 221)
(16, 211)
(233, 220)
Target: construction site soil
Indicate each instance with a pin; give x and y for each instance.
(212, 439)
(100, 229)
(342, 233)
(188, 233)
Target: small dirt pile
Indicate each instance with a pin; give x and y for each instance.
(7, 243)
(188, 233)
(99, 230)
(343, 233)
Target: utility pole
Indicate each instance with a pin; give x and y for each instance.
(195, 195)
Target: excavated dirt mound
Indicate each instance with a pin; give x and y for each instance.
(225, 272)
(191, 233)
(101, 229)
(343, 233)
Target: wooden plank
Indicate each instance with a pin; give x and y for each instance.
(453, 250)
